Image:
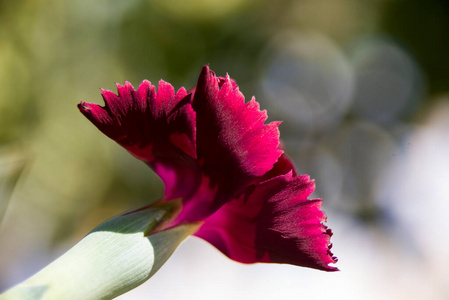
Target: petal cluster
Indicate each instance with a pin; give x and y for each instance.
(214, 150)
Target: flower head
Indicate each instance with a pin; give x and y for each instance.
(213, 150)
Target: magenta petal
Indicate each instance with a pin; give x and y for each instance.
(214, 150)
(233, 143)
(283, 166)
(156, 127)
(291, 228)
(275, 223)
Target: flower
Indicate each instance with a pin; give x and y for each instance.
(213, 150)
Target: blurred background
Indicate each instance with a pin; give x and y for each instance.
(362, 88)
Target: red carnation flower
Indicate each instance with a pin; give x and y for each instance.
(213, 150)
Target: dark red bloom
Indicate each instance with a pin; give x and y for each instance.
(214, 151)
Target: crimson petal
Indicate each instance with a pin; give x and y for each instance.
(156, 127)
(214, 150)
(275, 222)
(233, 143)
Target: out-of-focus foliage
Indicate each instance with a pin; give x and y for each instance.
(352, 80)
(12, 163)
(423, 28)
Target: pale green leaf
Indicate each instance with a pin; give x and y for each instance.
(114, 258)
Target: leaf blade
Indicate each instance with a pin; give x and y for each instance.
(112, 259)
